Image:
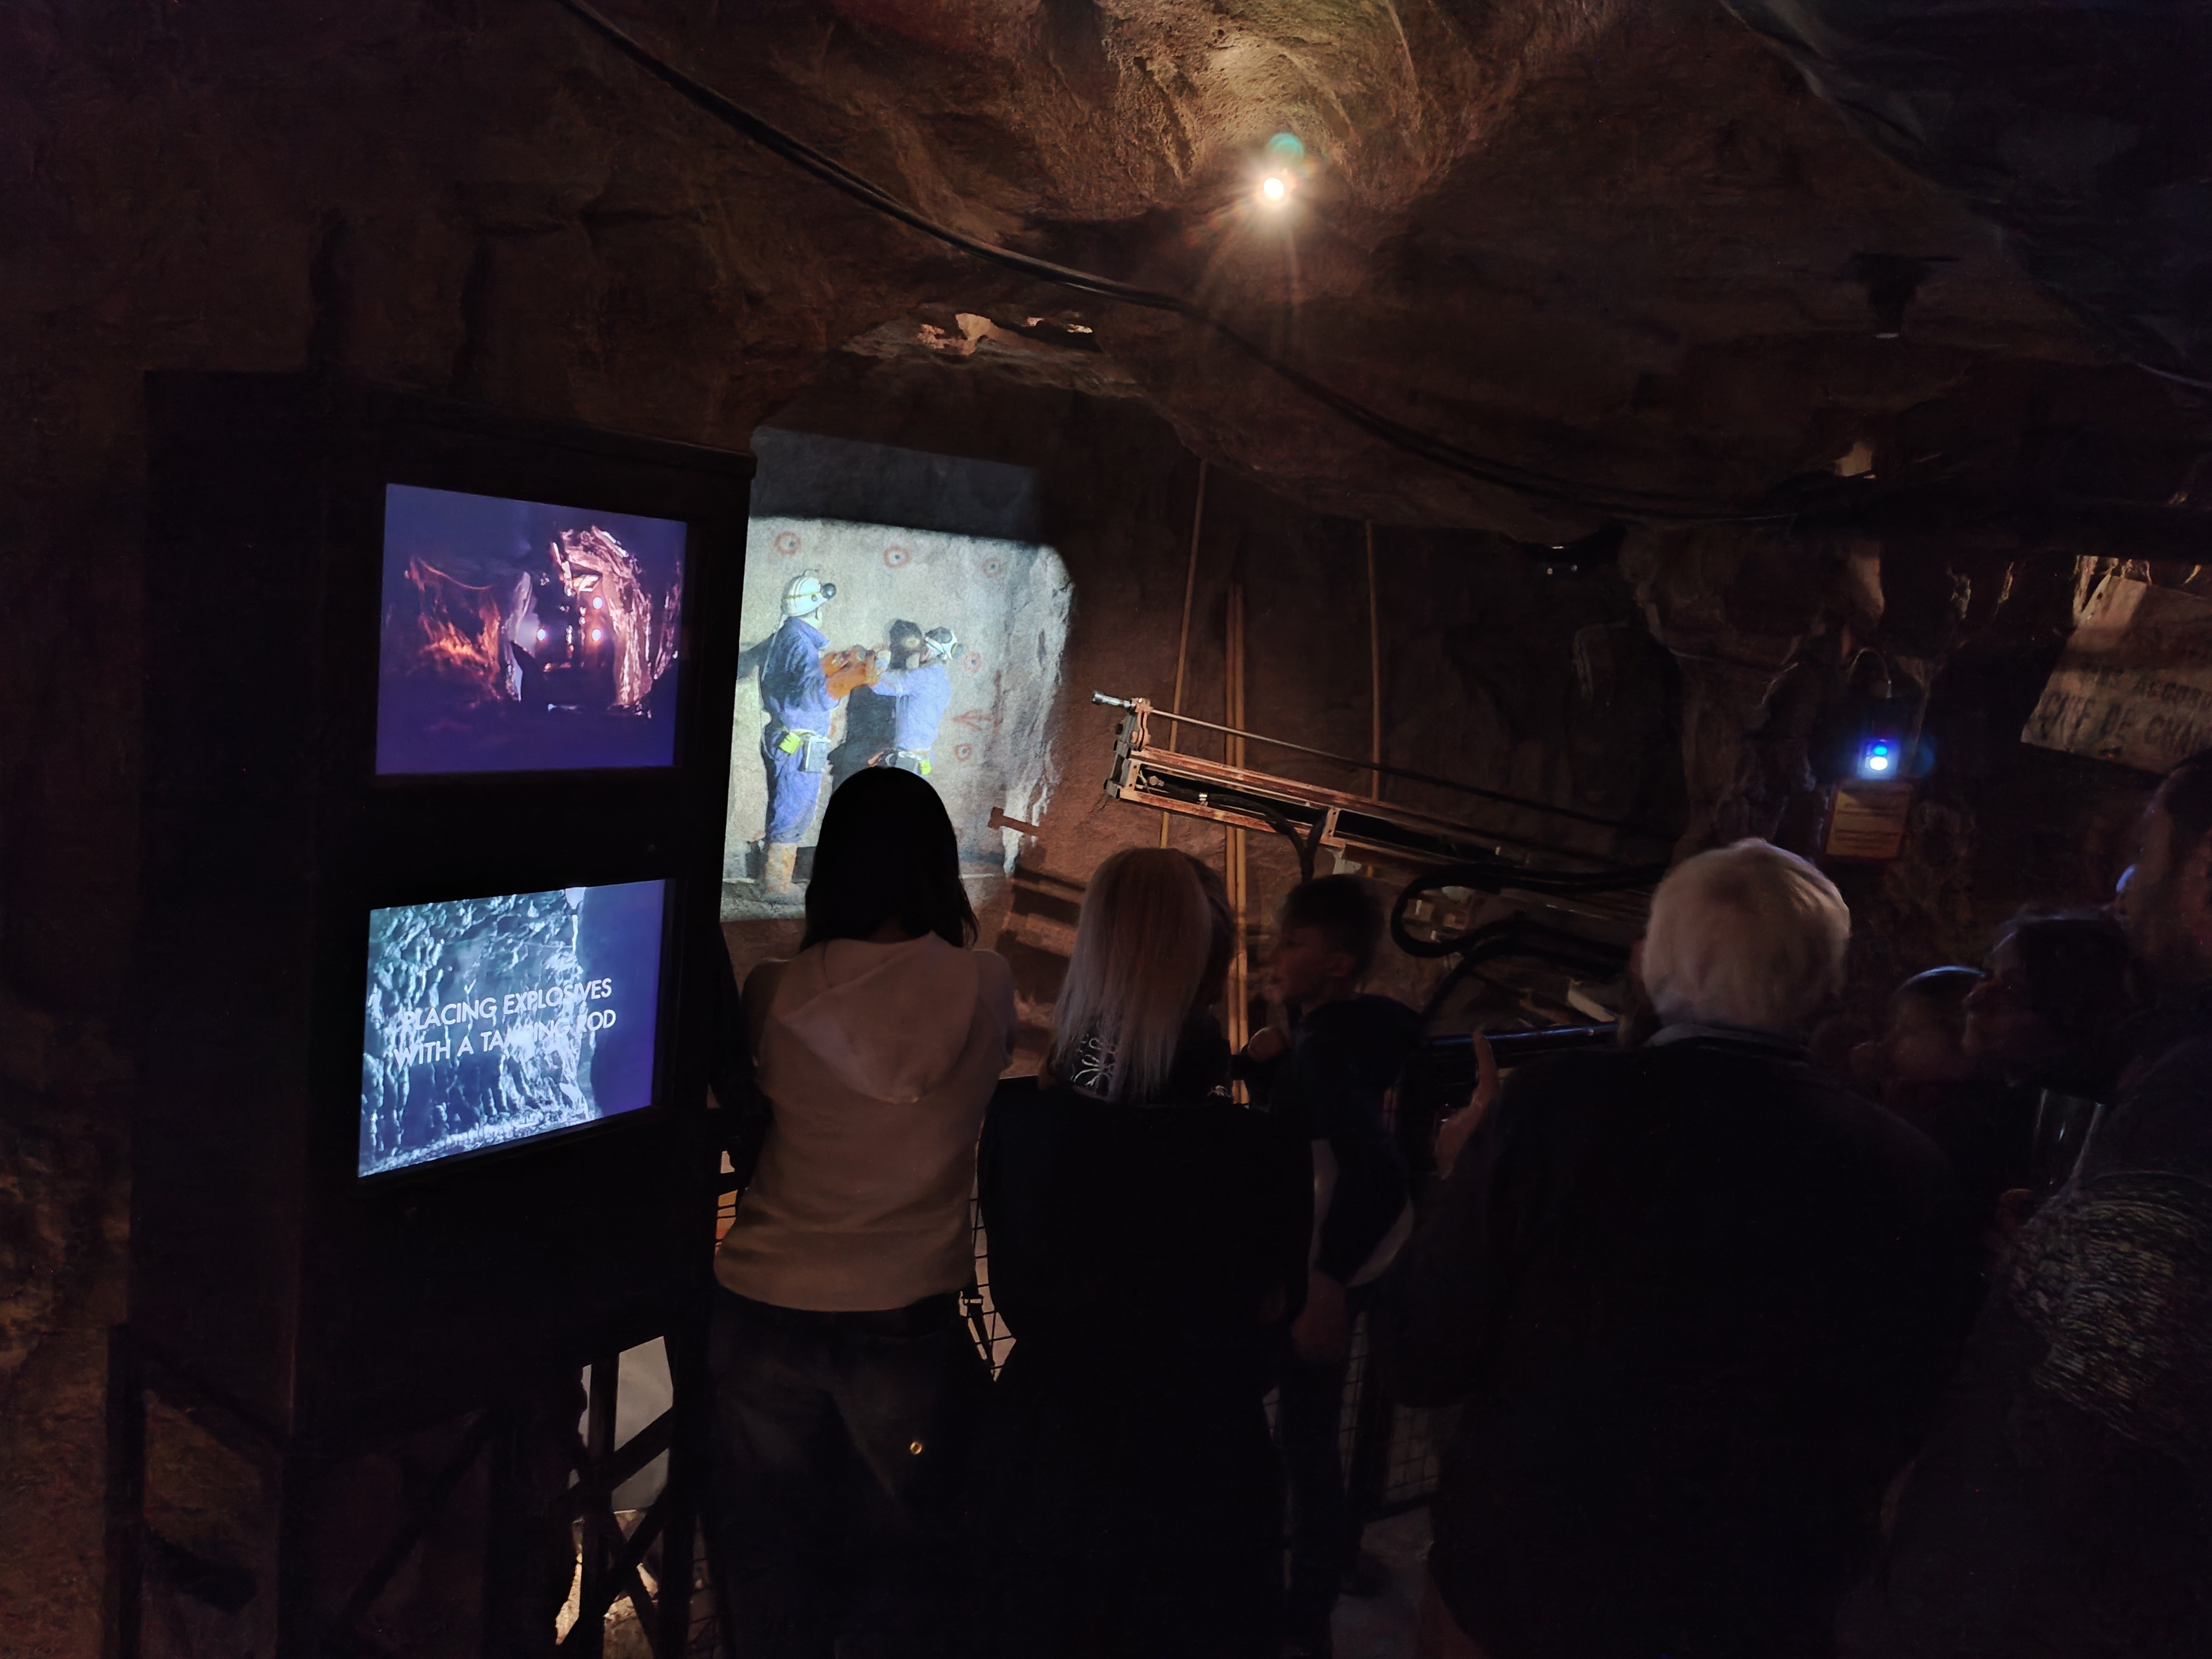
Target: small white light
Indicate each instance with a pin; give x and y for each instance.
(599, 604)
(597, 635)
(1273, 188)
(541, 637)
(1874, 763)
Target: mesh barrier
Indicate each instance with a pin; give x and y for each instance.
(992, 1340)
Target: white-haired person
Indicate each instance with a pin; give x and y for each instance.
(1146, 1233)
(1695, 1299)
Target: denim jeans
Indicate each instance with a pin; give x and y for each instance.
(840, 1450)
(1324, 1530)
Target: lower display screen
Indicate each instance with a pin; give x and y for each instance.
(495, 1020)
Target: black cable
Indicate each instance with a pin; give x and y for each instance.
(1495, 875)
(1438, 451)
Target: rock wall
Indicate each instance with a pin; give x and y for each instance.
(1619, 251)
(1622, 247)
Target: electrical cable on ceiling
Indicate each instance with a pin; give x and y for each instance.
(1438, 451)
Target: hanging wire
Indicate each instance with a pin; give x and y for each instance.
(1438, 451)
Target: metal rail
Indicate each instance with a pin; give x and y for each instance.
(1150, 713)
(1541, 850)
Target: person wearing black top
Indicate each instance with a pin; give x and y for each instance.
(2049, 1025)
(1696, 1297)
(1980, 1120)
(2062, 1506)
(1326, 1081)
(1144, 1233)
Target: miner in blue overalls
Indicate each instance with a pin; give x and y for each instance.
(795, 742)
(922, 691)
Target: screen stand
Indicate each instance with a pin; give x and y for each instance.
(516, 1466)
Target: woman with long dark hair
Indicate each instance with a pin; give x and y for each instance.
(1145, 1231)
(2053, 1019)
(845, 1382)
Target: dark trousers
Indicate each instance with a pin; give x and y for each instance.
(840, 1449)
(1324, 1529)
(1155, 1606)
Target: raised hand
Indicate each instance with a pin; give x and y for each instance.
(1452, 1133)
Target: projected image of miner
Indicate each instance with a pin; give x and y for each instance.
(795, 691)
(894, 720)
(920, 690)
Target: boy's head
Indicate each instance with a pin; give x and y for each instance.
(1925, 1039)
(1325, 941)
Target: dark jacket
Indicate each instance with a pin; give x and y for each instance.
(1986, 1129)
(1127, 1483)
(2062, 1506)
(1329, 1088)
(1695, 1298)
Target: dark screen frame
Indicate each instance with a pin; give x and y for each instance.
(430, 1171)
(452, 834)
(333, 1308)
(562, 496)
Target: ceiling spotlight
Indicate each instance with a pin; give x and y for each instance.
(1274, 190)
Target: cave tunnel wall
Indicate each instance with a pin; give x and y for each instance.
(1641, 236)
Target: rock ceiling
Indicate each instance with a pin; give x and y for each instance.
(1621, 244)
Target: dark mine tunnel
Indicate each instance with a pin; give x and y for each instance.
(1159, 828)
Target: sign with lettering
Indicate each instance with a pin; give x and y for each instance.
(1866, 822)
(2136, 683)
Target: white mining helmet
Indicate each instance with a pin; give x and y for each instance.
(941, 640)
(808, 594)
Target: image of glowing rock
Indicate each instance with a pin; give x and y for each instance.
(525, 637)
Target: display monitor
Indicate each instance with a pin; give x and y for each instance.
(523, 636)
(495, 1020)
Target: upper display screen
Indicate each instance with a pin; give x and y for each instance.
(523, 637)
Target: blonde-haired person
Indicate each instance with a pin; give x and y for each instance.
(1696, 1296)
(1145, 1233)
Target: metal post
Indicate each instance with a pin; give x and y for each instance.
(1183, 639)
(1374, 670)
(688, 1474)
(599, 1549)
(1233, 873)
